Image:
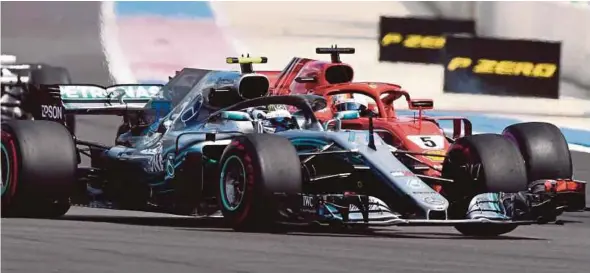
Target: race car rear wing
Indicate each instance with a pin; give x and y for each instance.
(54, 102)
(95, 99)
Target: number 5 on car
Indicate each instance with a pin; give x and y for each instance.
(428, 142)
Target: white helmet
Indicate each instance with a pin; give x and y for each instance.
(350, 104)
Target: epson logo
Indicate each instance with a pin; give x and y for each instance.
(51, 111)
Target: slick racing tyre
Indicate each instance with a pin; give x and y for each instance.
(55, 75)
(485, 163)
(481, 164)
(252, 169)
(544, 149)
(39, 161)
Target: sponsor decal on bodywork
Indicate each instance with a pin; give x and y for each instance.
(437, 156)
(308, 202)
(90, 92)
(401, 173)
(170, 168)
(428, 142)
(362, 138)
(52, 112)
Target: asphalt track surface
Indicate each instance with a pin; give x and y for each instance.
(93, 240)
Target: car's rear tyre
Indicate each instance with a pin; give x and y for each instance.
(39, 160)
(544, 149)
(253, 168)
(480, 164)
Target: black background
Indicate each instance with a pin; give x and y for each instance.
(465, 81)
(421, 26)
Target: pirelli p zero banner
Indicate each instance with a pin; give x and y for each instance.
(502, 67)
(417, 40)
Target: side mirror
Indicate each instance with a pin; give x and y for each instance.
(347, 115)
(161, 108)
(337, 124)
(235, 116)
(306, 79)
(319, 104)
(421, 104)
(339, 117)
(316, 102)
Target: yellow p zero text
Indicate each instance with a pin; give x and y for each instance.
(504, 67)
(413, 40)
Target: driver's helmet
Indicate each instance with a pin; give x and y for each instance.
(281, 120)
(350, 104)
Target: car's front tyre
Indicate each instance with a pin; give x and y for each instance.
(253, 168)
(485, 163)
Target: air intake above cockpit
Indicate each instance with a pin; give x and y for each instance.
(253, 86)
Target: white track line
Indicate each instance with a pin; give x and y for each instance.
(579, 148)
(109, 34)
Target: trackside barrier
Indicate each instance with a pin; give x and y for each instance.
(502, 67)
(417, 40)
(473, 65)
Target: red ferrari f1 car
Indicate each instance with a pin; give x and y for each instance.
(420, 140)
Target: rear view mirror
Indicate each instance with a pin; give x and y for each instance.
(305, 79)
(163, 106)
(235, 116)
(318, 105)
(159, 108)
(316, 102)
(421, 104)
(348, 115)
(336, 123)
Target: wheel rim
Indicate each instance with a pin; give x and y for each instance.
(5, 169)
(232, 183)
